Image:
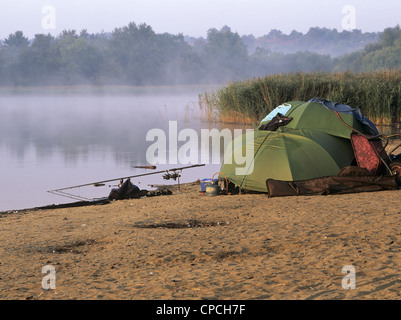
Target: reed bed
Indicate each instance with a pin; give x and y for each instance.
(377, 94)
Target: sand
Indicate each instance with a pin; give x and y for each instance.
(191, 246)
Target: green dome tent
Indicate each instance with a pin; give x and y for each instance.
(315, 143)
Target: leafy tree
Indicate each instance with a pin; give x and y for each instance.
(15, 44)
(313, 62)
(295, 35)
(259, 61)
(2, 64)
(180, 63)
(17, 40)
(78, 61)
(136, 52)
(377, 56)
(37, 64)
(387, 58)
(136, 55)
(84, 34)
(274, 34)
(351, 62)
(390, 35)
(226, 55)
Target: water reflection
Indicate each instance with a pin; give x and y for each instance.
(49, 141)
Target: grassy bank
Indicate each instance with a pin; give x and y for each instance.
(377, 94)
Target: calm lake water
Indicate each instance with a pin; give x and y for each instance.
(58, 137)
(54, 139)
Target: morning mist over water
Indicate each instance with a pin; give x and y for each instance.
(51, 139)
(61, 135)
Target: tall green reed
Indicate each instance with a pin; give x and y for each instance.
(377, 94)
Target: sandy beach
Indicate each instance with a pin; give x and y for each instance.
(191, 246)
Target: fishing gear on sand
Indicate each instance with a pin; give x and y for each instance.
(173, 173)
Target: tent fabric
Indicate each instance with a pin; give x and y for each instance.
(342, 108)
(312, 115)
(314, 144)
(290, 155)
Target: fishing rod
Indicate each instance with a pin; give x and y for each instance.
(167, 176)
(145, 167)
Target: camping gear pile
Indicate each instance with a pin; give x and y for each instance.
(314, 147)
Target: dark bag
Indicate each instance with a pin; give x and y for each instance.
(350, 180)
(278, 121)
(126, 191)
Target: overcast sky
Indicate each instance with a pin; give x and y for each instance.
(195, 17)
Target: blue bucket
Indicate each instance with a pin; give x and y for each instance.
(206, 182)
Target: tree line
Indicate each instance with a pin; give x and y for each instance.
(316, 39)
(136, 55)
